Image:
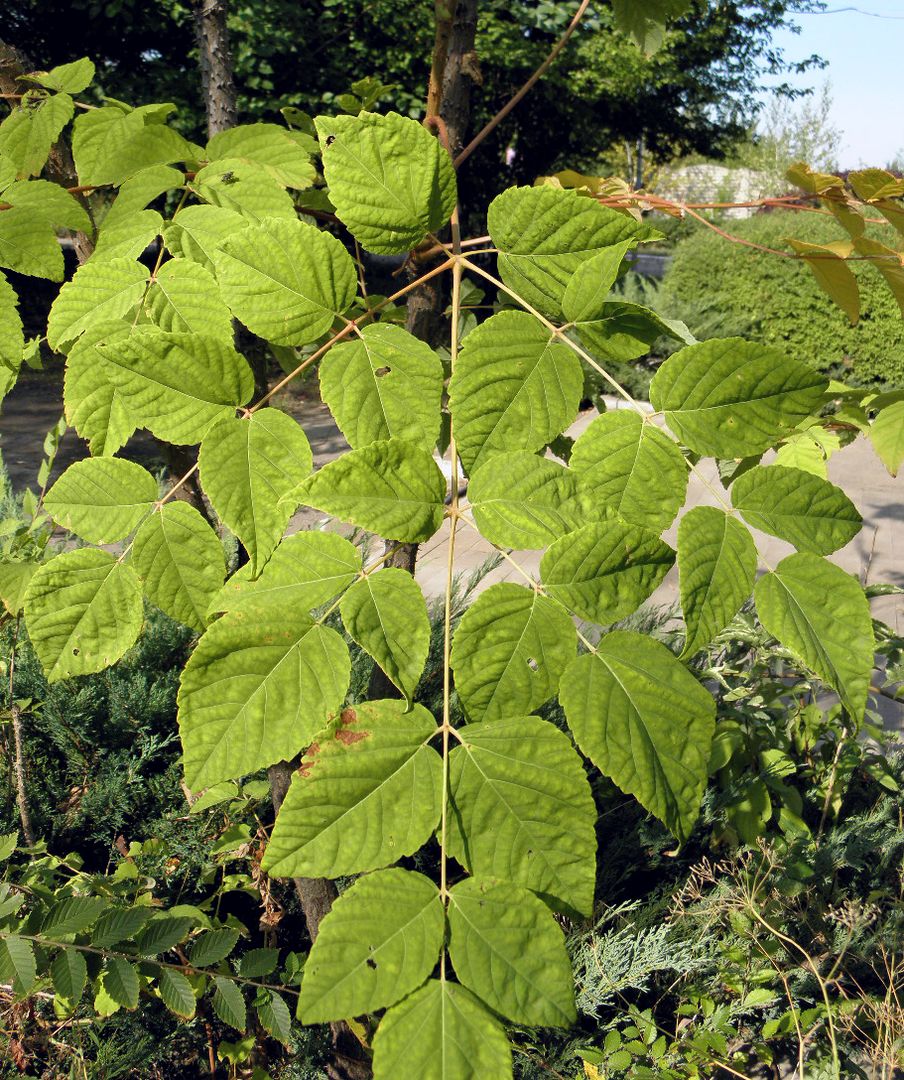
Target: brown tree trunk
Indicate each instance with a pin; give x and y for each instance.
(215, 61)
(316, 896)
(461, 75)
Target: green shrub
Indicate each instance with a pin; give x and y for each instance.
(723, 289)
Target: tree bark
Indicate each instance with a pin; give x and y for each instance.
(215, 61)
(316, 896)
(461, 75)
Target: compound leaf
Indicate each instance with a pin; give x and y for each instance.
(605, 571)
(731, 398)
(286, 280)
(102, 499)
(386, 614)
(515, 387)
(822, 615)
(259, 685)
(522, 810)
(507, 947)
(389, 178)
(509, 651)
(380, 940)
(644, 721)
(716, 568)
(632, 467)
(441, 1032)
(391, 487)
(384, 384)
(796, 506)
(246, 467)
(368, 792)
(180, 561)
(83, 611)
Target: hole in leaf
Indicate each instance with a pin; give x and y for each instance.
(330, 139)
(381, 371)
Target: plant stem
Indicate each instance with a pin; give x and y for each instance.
(18, 747)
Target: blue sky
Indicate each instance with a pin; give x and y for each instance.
(865, 73)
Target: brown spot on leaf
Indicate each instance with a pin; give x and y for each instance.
(348, 716)
(304, 769)
(349, 737)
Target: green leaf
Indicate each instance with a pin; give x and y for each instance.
(624, 331)
(886, 433)
(591, 283)
(507, 947)
(180, 561)
(110, 145)
(392, 488)
(367, 793)
(198, 232)
(632, 467)
(644, 20)
(716, 567)
(307, 569)
(145, 186)
(12, 339)
(605, 571)
(83, 611)
(268, 146)
(99, 292)
(246, 467)
(49, 203)
(212, 947)
(380, 941)
(17, 963)
(644, 721)
(184, 296)
(127, 239)
(834, 276)
(34, 125)
(523, 501)
(14, 580)
(162, 933)
(389, 178)
(176, 993)
(515, 387)
(70, 78)
(118, 924)
(228, 1003)
(178, 385)
(120, 981)
(822, 615)
(275, 1017)
(796, 506)
(544, 234)
(730, 398)
(102, 499)
(72, 915)
(244, 189)
(285, 280)
(522, 810)
(441, 1032)
(94, 407)
(29, 247)
(384, 384)
(386, 615)
(69, 974)
(8, 842)
(509, 651)
(258, 962)
(259, 685)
